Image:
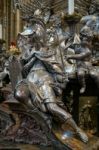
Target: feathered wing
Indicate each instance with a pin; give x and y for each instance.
(29, 6)
(83, 6)
(15, 71)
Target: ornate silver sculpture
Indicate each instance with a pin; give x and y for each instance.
(44, 79)
(41, 73)
(83, 53)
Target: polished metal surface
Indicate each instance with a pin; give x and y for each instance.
(49, 55)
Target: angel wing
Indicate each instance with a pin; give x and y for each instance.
(30, 6)
(15, 71)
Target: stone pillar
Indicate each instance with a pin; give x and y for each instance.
(4, 20)
(12, 26)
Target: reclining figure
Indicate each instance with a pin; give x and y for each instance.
(43, 79)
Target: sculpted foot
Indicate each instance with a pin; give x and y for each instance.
(82, 135)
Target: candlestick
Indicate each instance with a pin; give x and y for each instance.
(0, 31)
(70, 7)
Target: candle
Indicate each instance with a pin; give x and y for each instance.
(70, 7)
(0, 31)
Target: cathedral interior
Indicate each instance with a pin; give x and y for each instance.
(49, 74)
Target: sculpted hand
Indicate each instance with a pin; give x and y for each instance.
(68, 58)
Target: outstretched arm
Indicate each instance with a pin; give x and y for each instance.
(79, 56)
